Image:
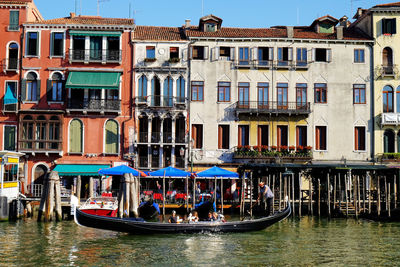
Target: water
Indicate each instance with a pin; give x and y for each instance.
(293, 242)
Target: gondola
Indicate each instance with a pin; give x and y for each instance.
(137, 226)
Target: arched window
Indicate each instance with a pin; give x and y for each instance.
(40, 174)
(388, 141)
(398, 99)
(180, 90)
(55, 88)
(12, 62)
(30, 90)
(387, 99)
(142, 92)
(168, 84)
(387, 61)
(76, 136)
(54, 133)
(111, 137)
(156, 92)
(27, 132)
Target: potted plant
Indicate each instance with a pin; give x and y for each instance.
(150, 59)
(174, 60)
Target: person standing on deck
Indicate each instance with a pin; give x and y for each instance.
(265, 196)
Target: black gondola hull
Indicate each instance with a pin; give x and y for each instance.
(140, 227)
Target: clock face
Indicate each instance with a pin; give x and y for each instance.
(161, 51)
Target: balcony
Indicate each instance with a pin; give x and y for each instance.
(40, 146)
(302, 65)
(263, 64)
(390, 119)
(275, 107)
(156, 101)
(273, 153)
(243, 64)
(94, 105)
(284, 64)
(95, 55)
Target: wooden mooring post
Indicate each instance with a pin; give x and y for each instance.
(369, 192)
(386, 194)
(346, 177)
(293, 207)
(300, 183)
(310, 198)
(389, 200)
(395, 191)
(364, 208)
(280, 190)
(51, 198)
(319, 197)
(340, 191)
(379, 197)
(251, 194)
(273, 192)
(334, 191)
(329, 194)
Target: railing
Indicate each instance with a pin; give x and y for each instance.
(390, 119)
(262, 63)
(301, 64)
(40, 145)
(272, 107)
(388, 70)
(243, 63)
(35, 190)
(143, 162)
(110, 105)
(141, 100)
(143, 137)
(279, 64)
(162, 101)
(273, 152)
(10, 107)
(95, 55)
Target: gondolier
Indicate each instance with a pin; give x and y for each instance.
(266, 197)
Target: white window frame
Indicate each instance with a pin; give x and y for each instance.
(38, 43)
(15, 137)
(104, 138)
(51, 44)
(83, 138)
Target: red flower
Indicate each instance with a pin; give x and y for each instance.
(292, 147)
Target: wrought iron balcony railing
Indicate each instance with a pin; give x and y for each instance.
(40, 145)
(107, 105)
(157, 101)
(95, 55)
(280, 107)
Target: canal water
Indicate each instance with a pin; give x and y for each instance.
(293, 242)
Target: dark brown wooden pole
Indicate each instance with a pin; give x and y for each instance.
(293, 208)
(222, 195)
(386, 194)
(273, 192)
(388, 200)
(163, 199)
(311, 198)
(280, 190)
(319, 197)
(329, 194)
(364, 194)
(346, 177)
(251, 194)
(300, 184)
(379, 197)
(334, 191)
(395, 191)
(340, 192)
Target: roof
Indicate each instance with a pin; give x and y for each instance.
(14, 2)
(155, 33)
(329, 18)
(88, 20)
(395, 4)
(277, 32)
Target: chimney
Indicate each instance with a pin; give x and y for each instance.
(343, 21)
(339, 32)
(289, 31)
(187, 23)
(359, 11)
(72, 15)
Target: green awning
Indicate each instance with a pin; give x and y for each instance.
(93, 80)
(95, 33)
(79, 169)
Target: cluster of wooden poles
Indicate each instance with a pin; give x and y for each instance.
(51, 198)
(350, 194)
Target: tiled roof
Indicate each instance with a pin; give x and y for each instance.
(276, 32)
(89, 20)
(159, 33)
(395, 4)
(14, 2)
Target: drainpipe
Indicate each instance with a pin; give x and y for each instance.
(372, 98)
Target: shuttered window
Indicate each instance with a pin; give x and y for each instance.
(14, 20)
(9, 137)
(320, 138)
(76, 137)
(111, 136)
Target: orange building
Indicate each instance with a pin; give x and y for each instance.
(75, 113)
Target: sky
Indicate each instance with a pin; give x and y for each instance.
(235, 13)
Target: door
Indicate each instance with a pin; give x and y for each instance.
(282, 96)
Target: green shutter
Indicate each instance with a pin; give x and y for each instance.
(75, 137)
(52, 44)
(14, 19)
(49, 93)
(37, 90)
(9, 138)
(111, 137)
(23, 90)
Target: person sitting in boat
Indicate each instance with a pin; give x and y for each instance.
(193, 217)
(210, 217)
(215, 217)
(265, 196)
(173, 218)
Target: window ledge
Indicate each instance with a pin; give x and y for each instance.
(110, 154)
(363, 63)
(360, 151)
(321, 151)
(55, 102)
(32, 56)
(30, 102)
(76, 153)
(62, 56)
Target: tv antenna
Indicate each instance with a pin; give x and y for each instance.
(98, 5)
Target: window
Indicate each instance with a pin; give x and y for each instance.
(263, 95)
(150, 52)
(262, 135)
(197, 91)
(387, 100)
(301, 57)
(174, 53)
(180, 88)
(244, 56)
(223, 137)
(199, 52)
(359, 56)
(320, 93)
(265, 55)
(113, 49)
(225, 52)
(243, 92)
(359, 138)
(111, 137)
(168, 84)
(32, 44)
(197, 136)
(12, 61)
(14, 20)
(282, 137)
(55, 88)
(211, 27)
(96, 48)
(9, 137)
(388, 26)
(301, 95)
(10, 99)
(398, 102)
(30, 90)
(359, 94)
(282, 95)
(57, 44)
(388, 141)
(320, 137)
(301, 136)
(243, 135)
(387, 61)
(75, 136)
(322, 54)
(142, 90)
(285, 54)
(40, 132)
(224, 91)
(78, 48)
